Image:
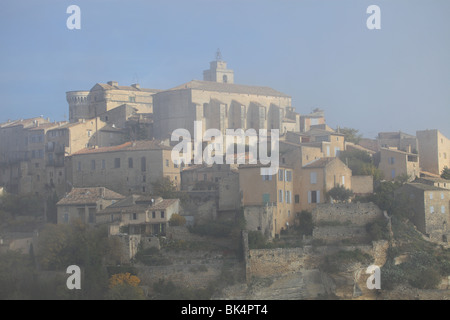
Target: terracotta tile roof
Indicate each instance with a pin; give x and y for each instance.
(230, 87)
(89, 196)
(106, 86)
(425, 187)
(137, 206)
(319, 163)
(23, 122)
(127, 146)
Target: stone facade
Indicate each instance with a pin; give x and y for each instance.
(395, 163)
(434, 151)
(105, 97)
(129, 168)
(431, 206)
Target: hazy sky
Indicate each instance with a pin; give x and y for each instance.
(319, 52)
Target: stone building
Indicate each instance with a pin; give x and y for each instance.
(83, 204)
(23, 164)
(261, 191)
(329, 142)
(129, 168)
(431, 207)
(104, 97)
(221, 104)
(320, 176)
(398, 140)
(315, 118)
(139, 215)
(395, 163)
(434, 151)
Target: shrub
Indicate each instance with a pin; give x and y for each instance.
(177, 220)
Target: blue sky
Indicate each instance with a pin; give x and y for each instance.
(319, 52)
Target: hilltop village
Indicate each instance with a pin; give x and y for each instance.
(102, 191)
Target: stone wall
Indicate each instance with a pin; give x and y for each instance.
(362, 185)
(274, 262)
(336, 233)
(358, 214)
(260, 218)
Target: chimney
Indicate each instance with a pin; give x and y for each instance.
(136, 85)
(113, 83)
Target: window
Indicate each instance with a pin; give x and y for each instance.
(162, 214)
(167, 162)
(431, 209)
(117, 163)
(143, 164)
(66, 217)
(343, 180)
(89, 133)
(442, 209)
(280, 195)
(267, 178)
(132, 99)
(391, 160)
(288, 175)
(153, 214)
(288, 197)
(313, 177)
(328, 151)
(79, 166)
(431, 195)
(313, 196)
(144, 178)
(92, 164)
(393, 173)
(130, 163)
(297, 198)
(280, 175)
(205, 177)
(133, 216)
(266, 197)
(442, 195)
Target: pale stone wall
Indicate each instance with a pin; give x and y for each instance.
(338, 233)
(394, 163)
(358, 214)
(273, 262)
(434, 151)
(260, 218)
(362, 185)
(123, 180)
(178, 109)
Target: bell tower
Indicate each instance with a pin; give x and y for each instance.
(218, 71)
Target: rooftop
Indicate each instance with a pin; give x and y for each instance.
(127, 146)
(320, 163)
(89, 196)
(230, 87)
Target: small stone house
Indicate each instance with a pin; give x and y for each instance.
(84, 203)
(139, 215)
(431, 206)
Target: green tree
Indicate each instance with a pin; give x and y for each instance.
(306, 224)
(351, 135)
(361, 163)
(446, 173)
(340, 193)
(177, 220)
(167, 189)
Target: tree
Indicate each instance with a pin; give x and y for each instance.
(361, 163)
(177, 220)
(167, 189)
(446, 173)
(306, 224)
(340, 193)
(351, 135)
(124, 286)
